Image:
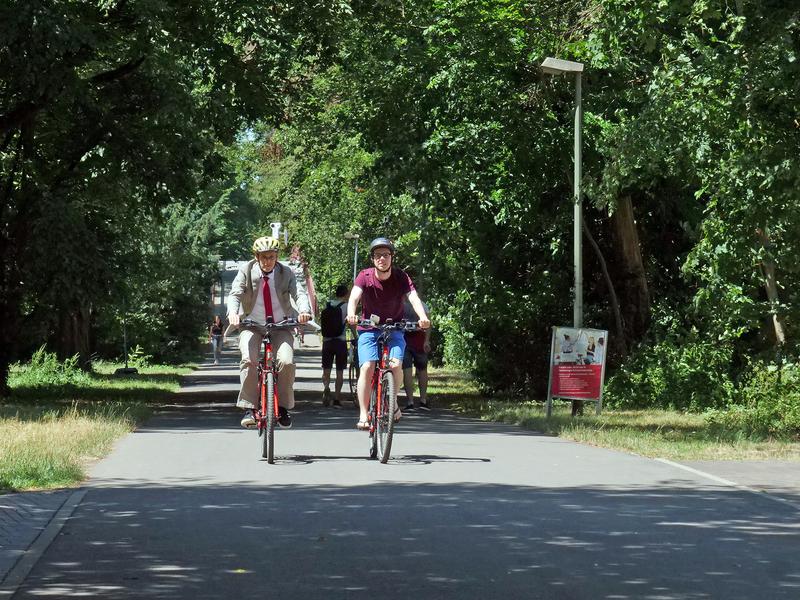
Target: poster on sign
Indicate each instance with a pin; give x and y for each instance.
(577, 365)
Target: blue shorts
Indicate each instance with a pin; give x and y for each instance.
(368, 346)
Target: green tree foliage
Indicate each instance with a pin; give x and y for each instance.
(690, 121)
(427, 116)
(111, 112)
(429, 122)
(717, 84)
(701, 126)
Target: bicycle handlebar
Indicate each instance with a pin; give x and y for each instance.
(396, 325)
(256, 326)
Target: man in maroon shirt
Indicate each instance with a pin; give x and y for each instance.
(382, 290)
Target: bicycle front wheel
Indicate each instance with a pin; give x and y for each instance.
(268, 451)
(384, 428)
(373, 431)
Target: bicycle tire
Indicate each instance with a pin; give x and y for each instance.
(384, 428)
(268, 451)
(353, 379)
(373, 432)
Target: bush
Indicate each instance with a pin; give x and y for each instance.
(767, 404)
(138, 358)
(500, 336)
(45, 370)
(673, 374)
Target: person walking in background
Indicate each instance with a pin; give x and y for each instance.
(299, 266)
(264, 289)
(334, 344)
(418, 345)
(215, 337)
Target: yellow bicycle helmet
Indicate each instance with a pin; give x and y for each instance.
(265, 244)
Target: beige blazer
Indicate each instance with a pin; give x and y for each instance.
(247, 284)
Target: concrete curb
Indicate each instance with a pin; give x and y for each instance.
(14, 578)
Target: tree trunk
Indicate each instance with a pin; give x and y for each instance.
(612, 294)
(634, 293)
(10, 316)
(7, 341)
(777, 330)
(74, 335)
(15, 218)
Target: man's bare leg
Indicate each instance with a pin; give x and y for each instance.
(364, 380)
(408, 386)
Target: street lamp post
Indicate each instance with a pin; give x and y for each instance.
(353, 236)
(555, 66)
(126, 370)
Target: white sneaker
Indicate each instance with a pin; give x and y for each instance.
(248, 420)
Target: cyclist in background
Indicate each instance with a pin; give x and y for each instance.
(381, 289)
(262, 289)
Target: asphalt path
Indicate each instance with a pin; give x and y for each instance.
(186, 508)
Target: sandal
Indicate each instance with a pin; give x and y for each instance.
(362, 425)
(397, 414)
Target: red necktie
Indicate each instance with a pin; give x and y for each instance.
(267, 299)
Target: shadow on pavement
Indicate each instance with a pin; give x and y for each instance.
(311, 416)
(421, 541)
(425, 459)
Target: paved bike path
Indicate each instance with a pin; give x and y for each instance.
(184, 508)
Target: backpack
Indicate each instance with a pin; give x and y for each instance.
(331, 320)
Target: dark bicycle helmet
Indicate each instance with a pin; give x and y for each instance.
(381, 242)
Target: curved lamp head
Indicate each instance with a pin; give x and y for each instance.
(556, 66)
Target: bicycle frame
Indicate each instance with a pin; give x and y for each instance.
(266, 366)
(377, 375)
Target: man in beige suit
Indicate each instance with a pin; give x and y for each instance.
(262, 288)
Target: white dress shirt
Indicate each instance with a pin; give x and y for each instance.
(259, 313)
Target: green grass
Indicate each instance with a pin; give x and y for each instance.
(655, 433)
(152, 384)
(48, 446)
(59, 419)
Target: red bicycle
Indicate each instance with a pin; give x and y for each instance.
(383, 395)
(266, 413)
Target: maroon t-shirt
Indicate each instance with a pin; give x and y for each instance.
(383, 298)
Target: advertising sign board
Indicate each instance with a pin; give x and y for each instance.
(577, 365)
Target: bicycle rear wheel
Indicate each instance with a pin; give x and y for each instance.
(268, 406)
(373, 431)
(384, 428)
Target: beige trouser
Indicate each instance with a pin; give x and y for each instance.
(283, 351)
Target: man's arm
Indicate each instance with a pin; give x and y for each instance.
(235, 297)
(352, 304)
(299, 291)
(418, 307)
